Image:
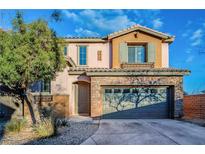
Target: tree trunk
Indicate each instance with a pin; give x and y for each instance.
(32, 107)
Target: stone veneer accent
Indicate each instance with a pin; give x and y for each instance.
(98, 82)
(139, 65)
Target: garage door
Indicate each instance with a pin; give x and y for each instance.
(135, 103)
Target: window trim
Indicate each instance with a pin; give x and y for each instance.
(78, 54)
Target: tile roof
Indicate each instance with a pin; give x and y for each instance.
(126, 71)
(77, 37)
(165, 36)
(85, 39)
(92, 69)
(140, 27)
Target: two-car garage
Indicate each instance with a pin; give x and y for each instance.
(130, 102)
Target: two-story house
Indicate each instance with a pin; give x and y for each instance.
(123, 75)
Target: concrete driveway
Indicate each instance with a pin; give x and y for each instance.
(158, 131)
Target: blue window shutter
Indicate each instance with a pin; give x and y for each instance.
(123, 53)
(151, 53)
(82, 55)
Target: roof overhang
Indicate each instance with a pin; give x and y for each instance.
(129, 72)
(165, 37)
(70, 62)
(85, 40)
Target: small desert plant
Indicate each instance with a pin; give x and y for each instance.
(15, 125)
(62, 123)
(44, 128)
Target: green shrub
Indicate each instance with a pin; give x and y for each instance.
(15, 125)
(45, 128)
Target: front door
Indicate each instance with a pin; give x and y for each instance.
(83, 98)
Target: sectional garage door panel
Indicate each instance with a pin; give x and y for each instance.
(135, 103)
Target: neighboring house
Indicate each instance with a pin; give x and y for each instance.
(123, 75)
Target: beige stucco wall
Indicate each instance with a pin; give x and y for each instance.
(165, 55)
(63, 84)
(141, 37)
(92, 49)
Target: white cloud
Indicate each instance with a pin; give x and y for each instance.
(85, 32)
(114, 24)
(194, 31)
(108, 21)
(98, 19)
(188, 51)
(197, 34)
(69, 35)
(157, 23)
(89, 13)
(197, 42)
(196, 37)
(149, 18)
(190, 59)
(71, 15)
(186, 33)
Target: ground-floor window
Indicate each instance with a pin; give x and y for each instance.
(46, 86)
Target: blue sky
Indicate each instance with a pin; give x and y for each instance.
(187, 51)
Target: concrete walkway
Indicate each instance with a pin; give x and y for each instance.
(158, 131)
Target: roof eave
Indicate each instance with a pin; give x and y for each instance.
(84, 40)
(137, 73)
(114, 72)
(169, 40)
(165, 37)
(70, 62)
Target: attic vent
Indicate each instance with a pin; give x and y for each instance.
(136, 34)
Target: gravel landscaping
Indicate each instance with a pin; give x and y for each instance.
(74, 134)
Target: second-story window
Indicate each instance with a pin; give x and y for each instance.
(136, 54)
(99, 55)
(82, 55)
(65, 51)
